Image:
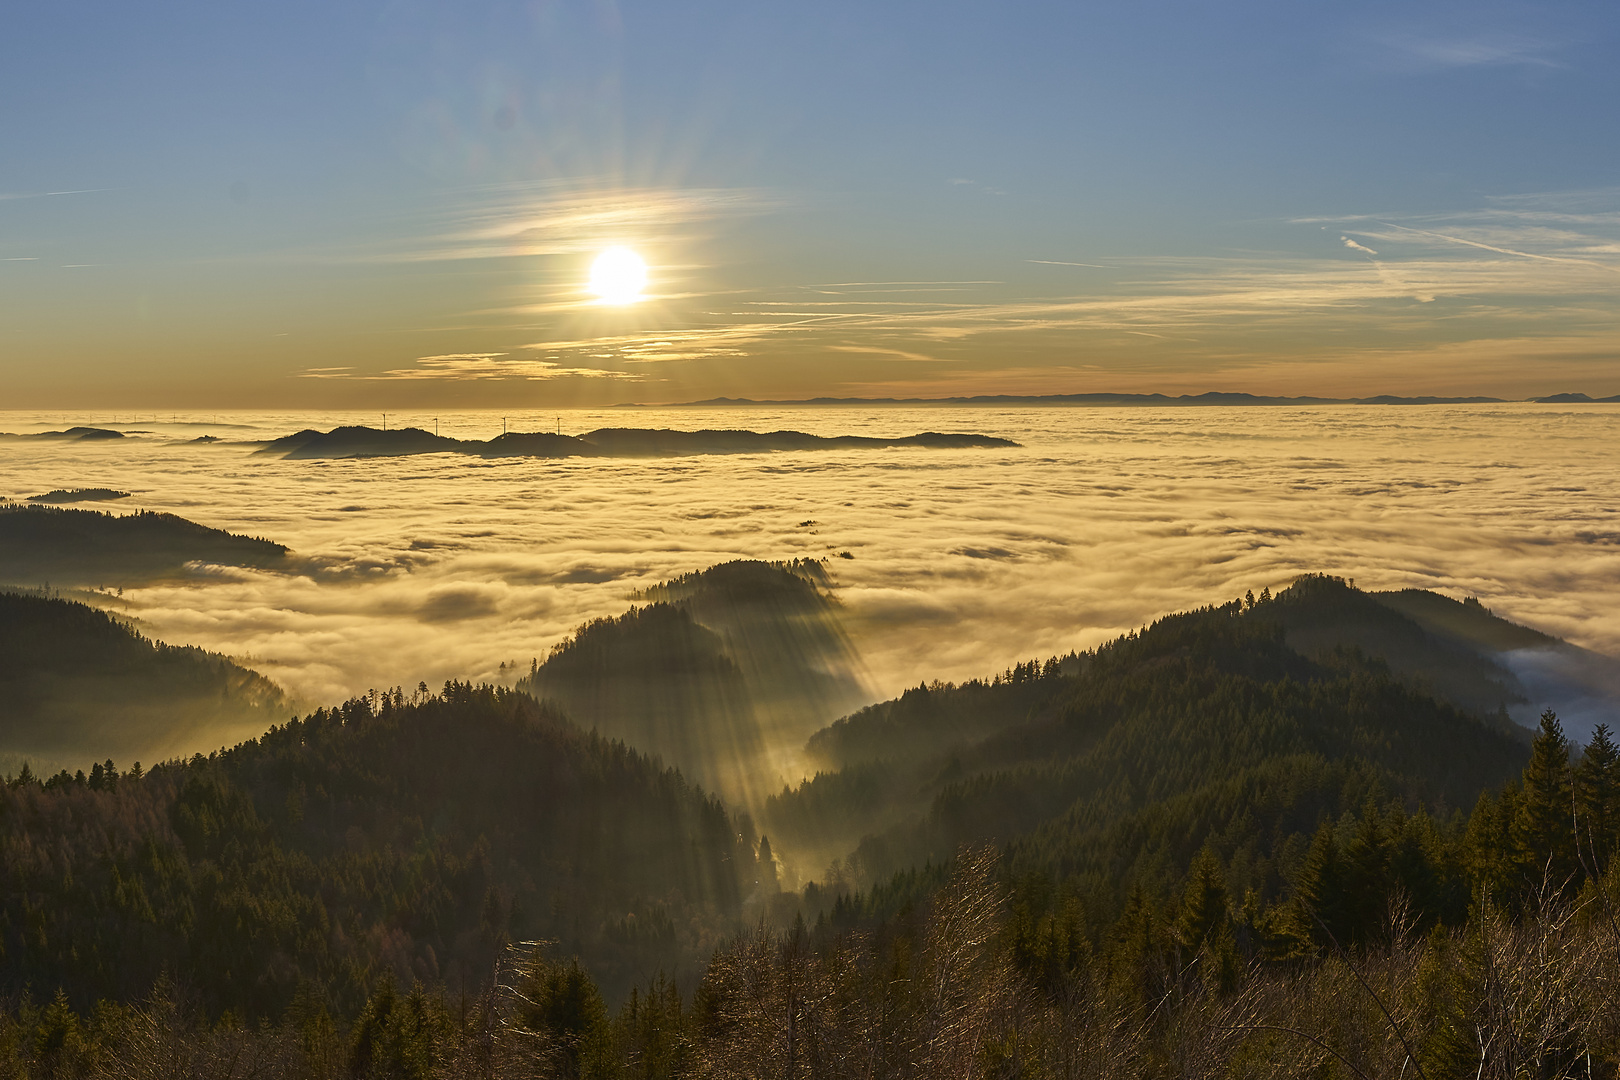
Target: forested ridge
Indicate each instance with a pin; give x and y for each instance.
(1214, 847)
(1118, 764)
(61, 546)
(414, 836)
(713, 670)
(74, 678)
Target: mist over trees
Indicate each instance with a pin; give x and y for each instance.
(1280, 835)
(972, 969)
(717, 670)
(408, 835)
(75, 681)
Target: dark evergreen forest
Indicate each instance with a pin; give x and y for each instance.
(49, 545)
(72, 676)
(1239, 842)
(414, 835)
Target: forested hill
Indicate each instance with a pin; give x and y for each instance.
(717, 670)
(1112, 768)
(76, 683)
(1441, 646)
(44, 544)
(362, 441)
(413, 836)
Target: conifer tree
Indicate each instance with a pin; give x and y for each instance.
(1597, 799)
(1365, 885)
(1137, 971)
(1488, 846)
(767, 866)
(1203, 905)
(562, 1006)
(397, 1037)
(1320, 902)
(1543, 828)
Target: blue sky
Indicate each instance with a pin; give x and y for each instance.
(397, 203)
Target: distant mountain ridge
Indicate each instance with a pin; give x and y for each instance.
(361, 441)
(70, 495)
(1213, 397)
(1575, 399)
(1105, 400)
(73, 434)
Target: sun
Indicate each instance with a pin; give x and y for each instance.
(618, 275)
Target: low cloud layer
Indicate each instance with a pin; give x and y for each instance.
(437, 567)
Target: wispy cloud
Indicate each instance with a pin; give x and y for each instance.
(11, 196)
(892, 354)
(1439, 52)
(529, 220)
(974, 185)
(1507, 271)
(1612, 268)
(461, 367)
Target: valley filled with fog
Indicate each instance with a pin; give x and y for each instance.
(947, 563)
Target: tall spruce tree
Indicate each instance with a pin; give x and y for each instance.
(1543, 827)
(1597, 800)
(1203, 905)
(1322, 910)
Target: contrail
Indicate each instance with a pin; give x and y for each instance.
(1502, 250)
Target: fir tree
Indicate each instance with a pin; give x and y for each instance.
(767, 866)
(1543, 831)
(1597, 799)
(564, 1008)
(1321, 906)
(1203, 905)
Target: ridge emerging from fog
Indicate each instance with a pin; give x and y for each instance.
(360, 441)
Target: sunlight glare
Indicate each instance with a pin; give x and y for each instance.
(618, 275)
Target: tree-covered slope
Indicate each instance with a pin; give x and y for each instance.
(1408, 632)
(44, 544)
(658, 680)
(1208, 724)
(415, 837)
(77, 683)
(717, 671)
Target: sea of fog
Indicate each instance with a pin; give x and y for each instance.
(962, 562)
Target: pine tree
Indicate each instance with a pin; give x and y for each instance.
(397, 1037)
(1203, 905)
(1321, 906)
(1543, 830)
(563, 1008)
(1137, 972)
(1597, 799)
(1366, 876)
(1204, 927)
(767, 866)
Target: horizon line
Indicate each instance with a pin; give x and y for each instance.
(1104, 399)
